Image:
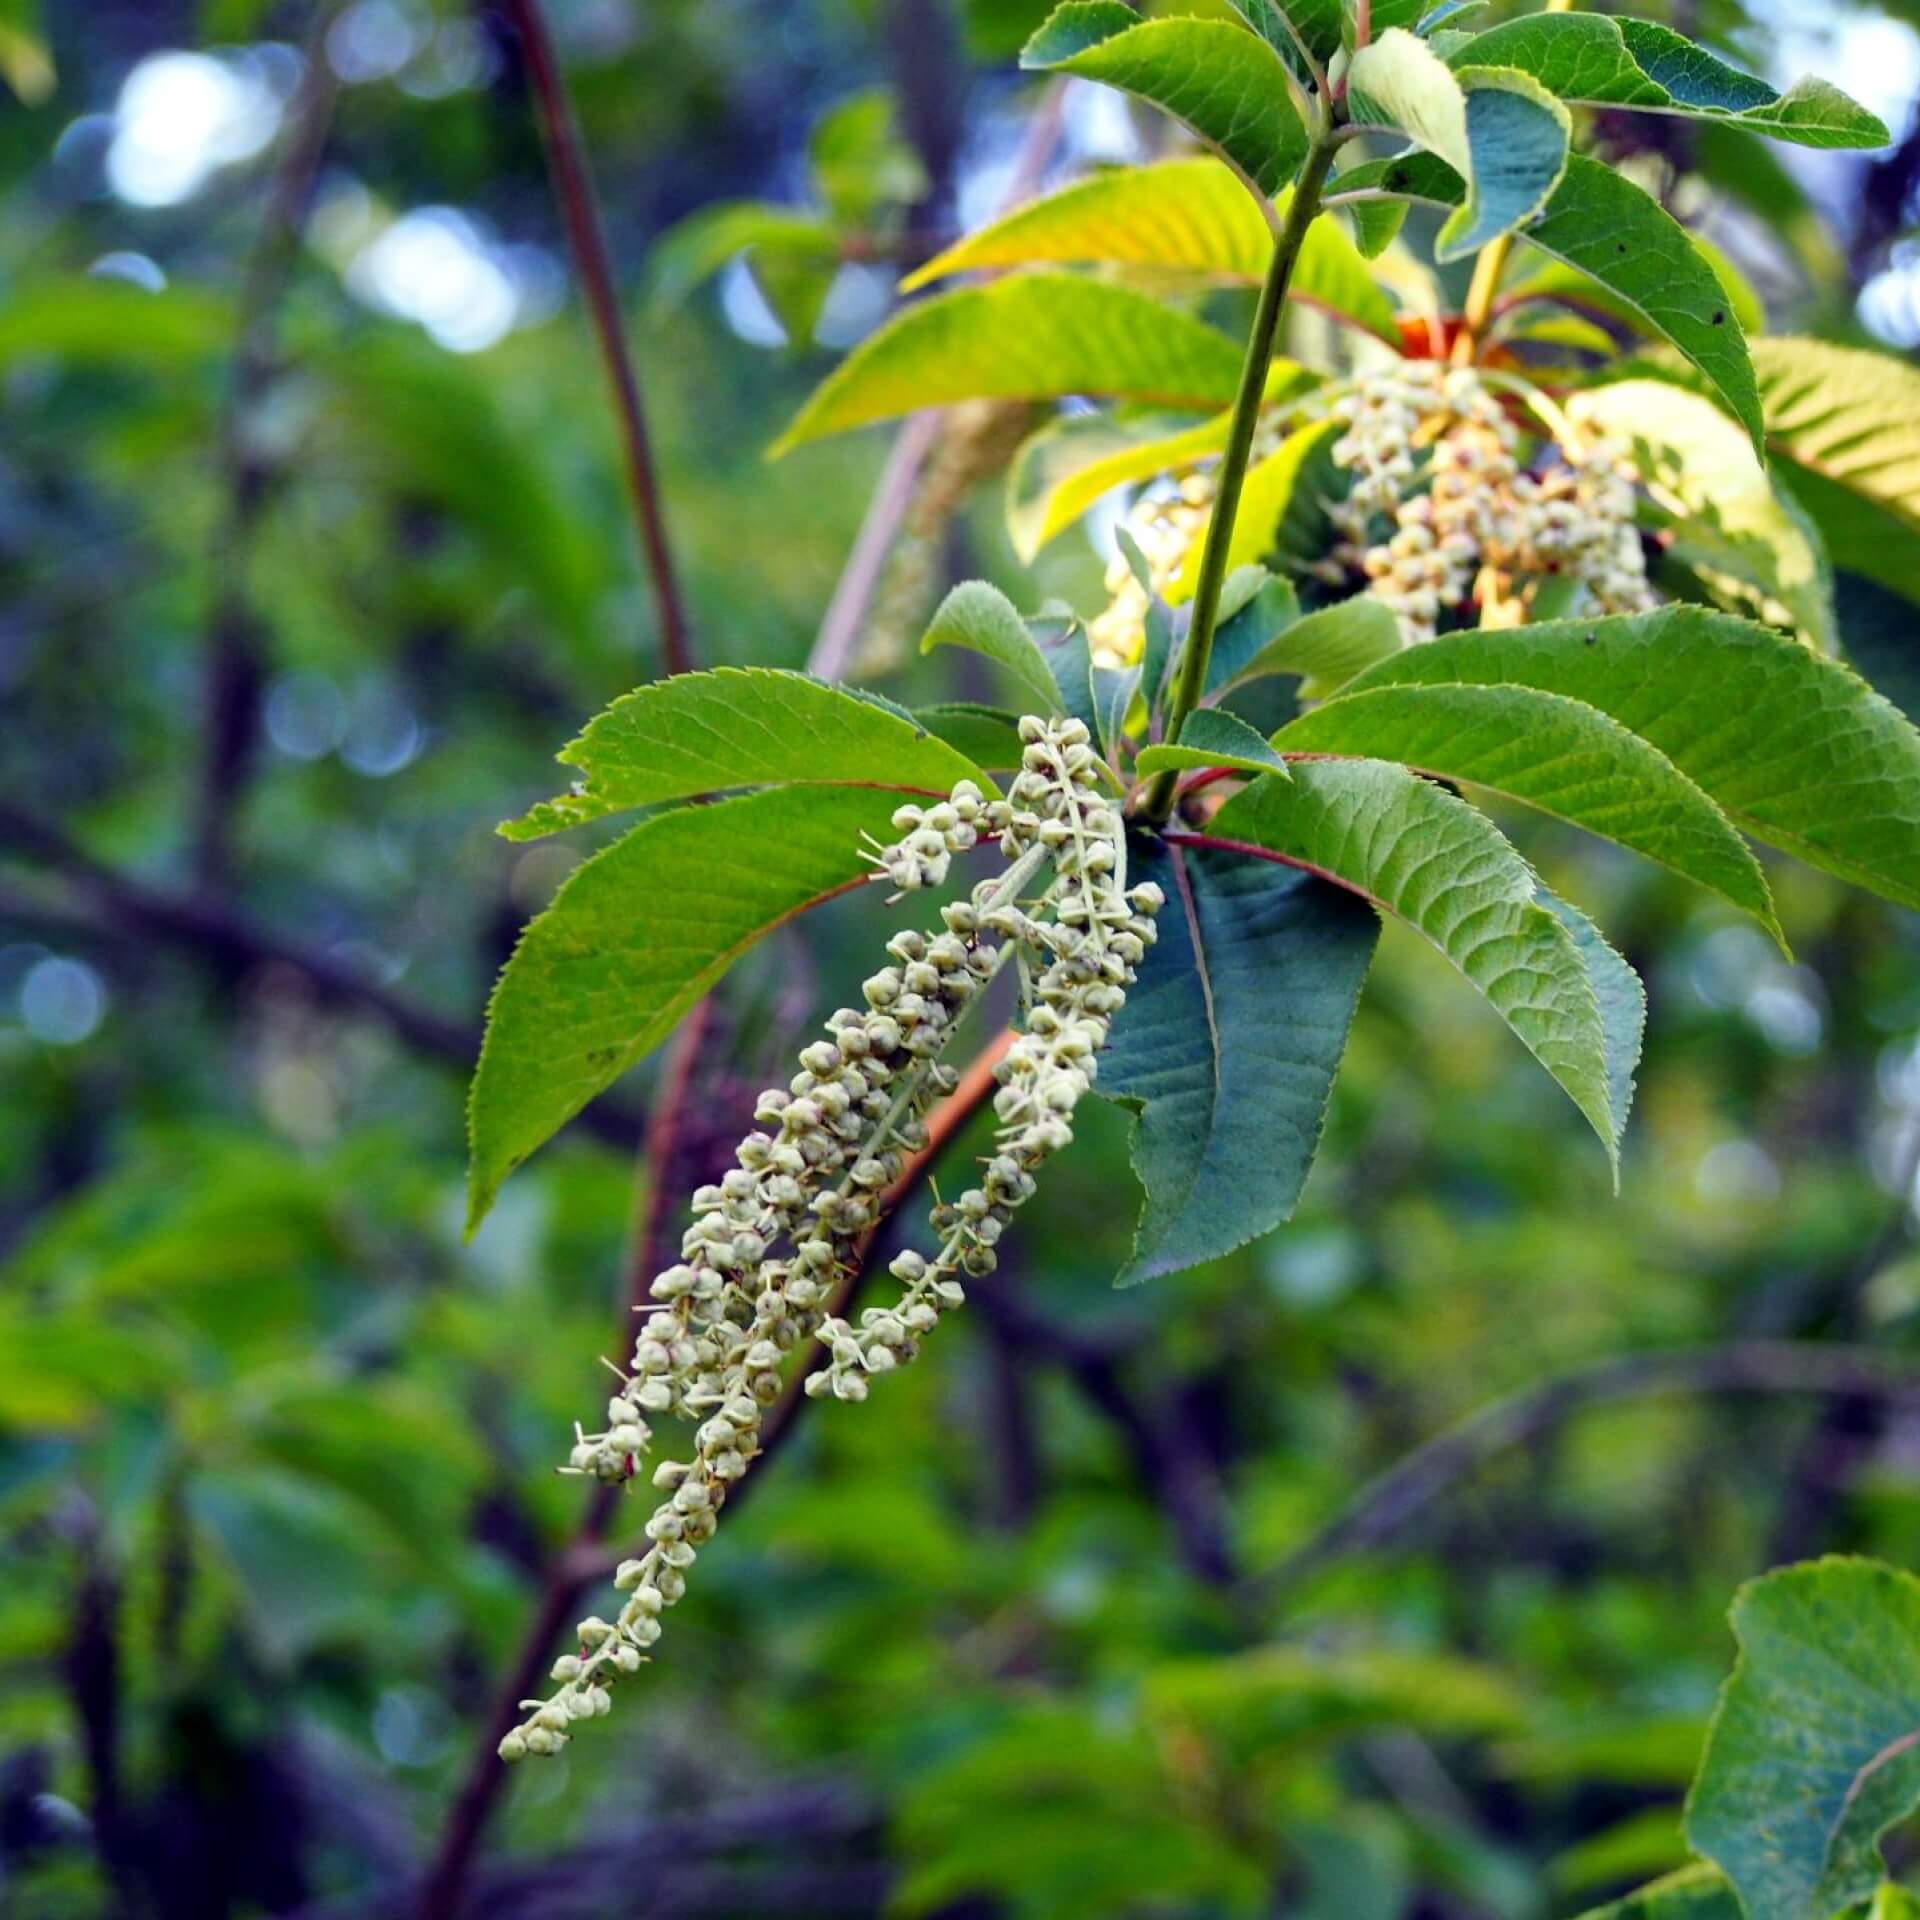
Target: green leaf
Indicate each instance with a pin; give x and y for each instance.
(1114, 692)
(860, 163)
(25, 63)
(1796, 749)
(1069, 658)
(983, 620)
(1245, 633)
(1814, 1751)
(1550, 279)
(692, 250)
(1282, 507)
(635, 936)
(1188, 215)
(1845, 426)
(988, 736)
(1279, 1696)
(1211, 738)
(1416, 850)
(1328, 646)
(431, 427)
(1228, 86)
(1231, 1081)
(1597, 61)
(1503, 133)
(87, 321)
(741, 727)
(1601, 223)
(1067, 465)
(1694, 1893)
(1729, 520)
(1033, 336)
(1325, 25)
(1622, 998)
(1560, 755)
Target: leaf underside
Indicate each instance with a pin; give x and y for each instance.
(1598, 61)
(1231, 1079)
(1228, 86)
(1185, 216)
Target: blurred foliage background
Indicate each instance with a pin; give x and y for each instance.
(313, 549)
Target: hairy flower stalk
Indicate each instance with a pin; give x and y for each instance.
(772, 1243)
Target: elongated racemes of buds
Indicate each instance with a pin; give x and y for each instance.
(772, 1243)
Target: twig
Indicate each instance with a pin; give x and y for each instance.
(1174, 1470)
(585, 1561)
(235, 667)
(1752, 1366)
(587, 243)
(866, 562)
(1191, 681)
(229, 941)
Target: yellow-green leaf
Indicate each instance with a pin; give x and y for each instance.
(1031, 336)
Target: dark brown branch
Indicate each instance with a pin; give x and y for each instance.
(587, 243)
(689, 1861)
(236, 664)
(659, 1153)
(91, 1667)
(230, 942)
(1171, 1466)
(586, 1561)
(1848, 1427)
(1406, 1490)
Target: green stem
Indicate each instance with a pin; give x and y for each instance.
(1192, 682)
(1488, 270)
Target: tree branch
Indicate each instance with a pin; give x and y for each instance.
(587, 243)
(236, 665)
(230, 942)
(1174, 1470)
(1403, 1492)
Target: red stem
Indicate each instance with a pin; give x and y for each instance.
(1217, 843)
(587, 243)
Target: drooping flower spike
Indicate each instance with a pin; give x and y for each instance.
(774, 1244)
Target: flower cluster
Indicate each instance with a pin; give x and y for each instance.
(773, 1244)
(1481, 524)
(1094, 939)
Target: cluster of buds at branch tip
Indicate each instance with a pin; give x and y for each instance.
(1480, 524)
(1440, 518)
(775, 1241)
